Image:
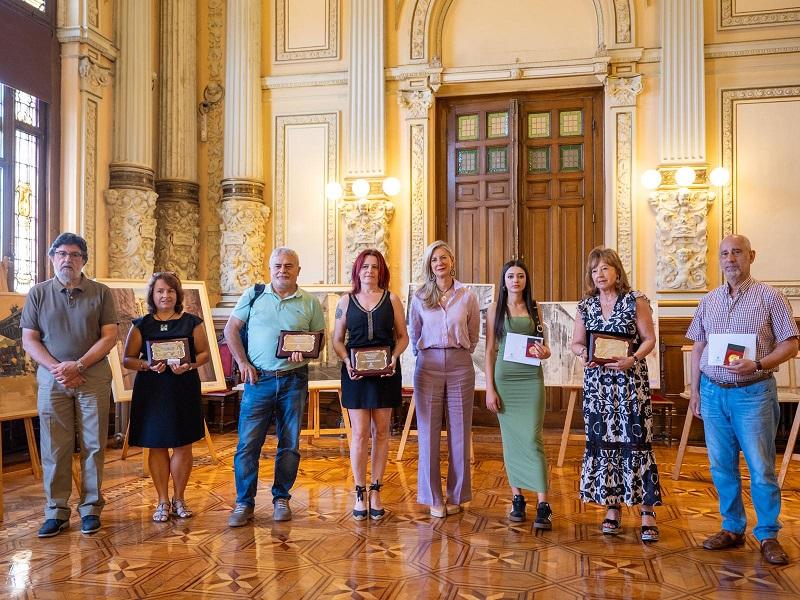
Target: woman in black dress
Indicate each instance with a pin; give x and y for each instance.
(369, 316)
(165, 410)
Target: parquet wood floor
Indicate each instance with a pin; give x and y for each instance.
(323, 553)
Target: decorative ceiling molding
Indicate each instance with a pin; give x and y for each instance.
(730, 19)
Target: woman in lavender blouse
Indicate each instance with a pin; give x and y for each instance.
(444, 323)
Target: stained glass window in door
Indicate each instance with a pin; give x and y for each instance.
(497, 159)
(497, 124)
(539, 125)
(467, 161)
(570, 122)
(539, 160)
(571, 157)
(467, 128)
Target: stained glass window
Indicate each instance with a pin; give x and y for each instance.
(467, 161)
(2, 148)
(497, 124)
(37, 4)
(467, 128)
(497, 159)
(571, 157)
(26, 176)
(571, 122)
(25, 109)
(539, 125)
(539, 160)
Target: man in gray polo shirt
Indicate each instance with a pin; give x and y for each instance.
(272, 385)
(69, 325)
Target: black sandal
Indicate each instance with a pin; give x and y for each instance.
(649, 532)
(612, 526)
(360, 515)
(375, 514)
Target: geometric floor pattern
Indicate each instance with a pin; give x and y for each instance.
(323, 553)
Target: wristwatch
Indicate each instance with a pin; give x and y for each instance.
(81, 366)
(759, 366)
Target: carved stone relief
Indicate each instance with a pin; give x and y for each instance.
(623, 190)
(418, 178)
(681, 238)
(366, 226)
(416, 103)
(93, 75)
(178, 229)
(623, 21)
(132, 233)
(622, 91)
(244, 224)
(729, 18)
(89, 199)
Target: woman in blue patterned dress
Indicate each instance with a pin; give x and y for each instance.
(618, 463)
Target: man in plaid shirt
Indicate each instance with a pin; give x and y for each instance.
(738, 402)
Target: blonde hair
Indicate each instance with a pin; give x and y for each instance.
(611, 258)
(428, 291)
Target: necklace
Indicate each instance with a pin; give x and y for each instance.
(164, 325)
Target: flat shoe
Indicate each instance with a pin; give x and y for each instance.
(453, 509)
(724, 539)
(773, 553)
(439, 512)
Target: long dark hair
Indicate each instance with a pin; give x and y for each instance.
(502, 300)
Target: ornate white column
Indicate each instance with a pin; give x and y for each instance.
(131, 200)
(244, 213)
(366, 144)
(682, 211)
(416, 104)
(177, 210)
(87, 58)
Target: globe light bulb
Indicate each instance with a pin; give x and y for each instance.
(334, 191)
(719, 176)
(651, 179)
(684, 176)
(361, 188)
(391, 186)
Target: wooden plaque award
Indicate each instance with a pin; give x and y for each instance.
(371, 361)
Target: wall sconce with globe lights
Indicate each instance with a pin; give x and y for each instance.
(360, 189)
(680, 198)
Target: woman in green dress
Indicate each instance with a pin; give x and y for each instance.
(515, 390)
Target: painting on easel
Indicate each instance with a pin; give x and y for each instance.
(17, 369)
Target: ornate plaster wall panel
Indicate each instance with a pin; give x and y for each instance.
(759, 140)
(623, 189)
(735, 14)
(330, 123)
(366, 224)
(319, 17)
(89, 199)
(242, 262)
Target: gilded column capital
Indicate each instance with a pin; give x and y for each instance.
(416, 103)
(93, 75)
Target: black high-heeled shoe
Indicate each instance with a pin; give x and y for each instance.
(375, 514)
(612, 526)
(360, 515)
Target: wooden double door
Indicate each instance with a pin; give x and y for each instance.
(522, 177)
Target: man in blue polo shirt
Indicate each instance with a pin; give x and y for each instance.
(272, 385)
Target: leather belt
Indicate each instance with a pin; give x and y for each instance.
(741, 384)
(281, 373)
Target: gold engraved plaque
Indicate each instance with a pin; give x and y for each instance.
(307, 342)
(604, 347)
(172, 352)
(375, 360)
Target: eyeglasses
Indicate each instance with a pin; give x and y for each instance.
(63, 254)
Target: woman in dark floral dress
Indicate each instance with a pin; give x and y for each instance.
(618, 463)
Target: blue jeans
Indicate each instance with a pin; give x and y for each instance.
(285, 397)
(743, 419)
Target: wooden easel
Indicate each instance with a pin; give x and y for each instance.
(789, 394)
(11, 411)
(565, 434)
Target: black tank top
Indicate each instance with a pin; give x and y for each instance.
(370, 327)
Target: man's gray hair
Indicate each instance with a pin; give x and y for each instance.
(284, 250)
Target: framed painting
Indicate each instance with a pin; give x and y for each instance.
(17, 369)
(131, 299)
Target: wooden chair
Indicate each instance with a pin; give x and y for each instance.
(228, 394)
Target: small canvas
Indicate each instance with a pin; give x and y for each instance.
(17, 369)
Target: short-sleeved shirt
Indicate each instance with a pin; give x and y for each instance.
(69, 321)
(756, 309)
(270, 315)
